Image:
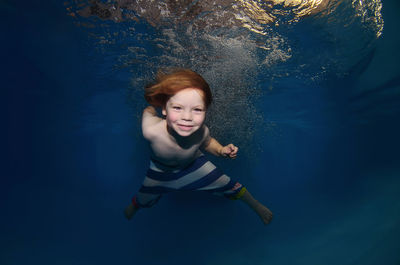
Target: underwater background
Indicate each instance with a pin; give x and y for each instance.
(308, 89)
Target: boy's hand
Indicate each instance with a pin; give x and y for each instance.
(229, 151)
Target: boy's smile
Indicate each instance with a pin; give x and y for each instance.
(185, 111)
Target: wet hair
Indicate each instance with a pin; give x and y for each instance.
(167, 85)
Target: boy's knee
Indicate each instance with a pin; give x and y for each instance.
(138, 203)
(236, 192)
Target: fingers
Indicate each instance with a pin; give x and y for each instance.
(232, 151)
(229, 151)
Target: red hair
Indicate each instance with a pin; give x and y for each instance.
(167, 85)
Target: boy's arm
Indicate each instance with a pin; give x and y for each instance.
(215, 148)
(149, 118)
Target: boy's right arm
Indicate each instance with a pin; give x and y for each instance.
(149, 119)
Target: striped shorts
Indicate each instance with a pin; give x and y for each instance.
(200, 175)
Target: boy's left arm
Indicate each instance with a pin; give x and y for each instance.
(215, 148)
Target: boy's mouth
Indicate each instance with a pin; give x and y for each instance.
(185, 127)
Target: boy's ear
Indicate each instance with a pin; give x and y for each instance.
(164, 111)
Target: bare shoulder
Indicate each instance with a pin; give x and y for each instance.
(151, 123)
(206, 136)
(206, 131)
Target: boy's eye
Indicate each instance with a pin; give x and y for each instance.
(176, 107)
(198, 109)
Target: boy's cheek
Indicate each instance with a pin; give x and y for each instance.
(172, 117)
(201, 118)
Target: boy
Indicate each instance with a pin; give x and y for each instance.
(175, 141)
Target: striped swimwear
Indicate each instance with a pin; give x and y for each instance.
(200, 175)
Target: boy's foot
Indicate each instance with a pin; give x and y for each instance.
(130, 211)
(264, 213)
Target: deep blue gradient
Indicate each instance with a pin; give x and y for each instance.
(73, 156)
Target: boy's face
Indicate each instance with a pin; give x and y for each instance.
(185, 111)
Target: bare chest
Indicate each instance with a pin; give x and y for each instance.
(170, 153)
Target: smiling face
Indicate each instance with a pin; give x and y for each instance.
(185, 111)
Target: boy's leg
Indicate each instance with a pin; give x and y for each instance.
(130, 211)
(237, 191)
(262, 211)
(141, 200)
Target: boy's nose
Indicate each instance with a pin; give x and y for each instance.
(187, 116)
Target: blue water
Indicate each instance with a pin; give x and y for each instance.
(320, 147)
